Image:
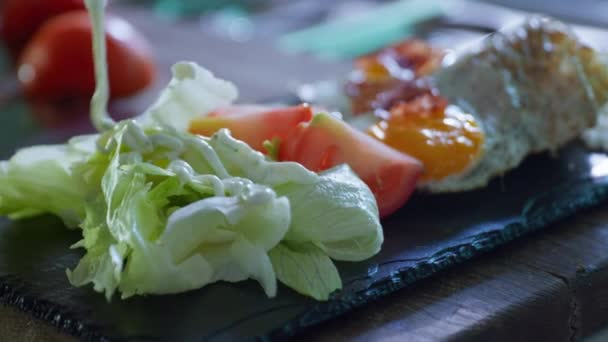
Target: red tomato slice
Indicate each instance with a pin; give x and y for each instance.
(57, 64)
(20, 19)
(253, 124)
(326, 142)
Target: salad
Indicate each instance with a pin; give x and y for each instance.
(198, 189)
(163, 210)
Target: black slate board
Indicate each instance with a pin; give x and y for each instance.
(430, 234)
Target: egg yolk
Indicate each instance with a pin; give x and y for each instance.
(444, 138)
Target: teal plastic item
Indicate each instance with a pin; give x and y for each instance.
(177, 9)
(352, 36)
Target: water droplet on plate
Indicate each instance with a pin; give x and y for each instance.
(372, 270)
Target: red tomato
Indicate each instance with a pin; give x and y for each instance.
(58, 62)
(20, 19)
(319, 145)
(253, 124)
(326, 142)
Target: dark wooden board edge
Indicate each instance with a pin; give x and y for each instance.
(539, 212)
(14, 293)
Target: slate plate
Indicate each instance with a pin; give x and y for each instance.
(429, 234)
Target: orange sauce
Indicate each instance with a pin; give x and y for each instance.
(415, 119)
(444, 138)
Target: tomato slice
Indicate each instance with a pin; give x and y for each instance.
(320, 143)
(326, 142)
(57, 63)
(253, 124)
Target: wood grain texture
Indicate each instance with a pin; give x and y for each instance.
(17, 326)
(550, 286)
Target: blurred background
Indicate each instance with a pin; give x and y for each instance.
(326, 34)
(268, 48)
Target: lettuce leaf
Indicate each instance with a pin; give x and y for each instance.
(306, 269)
(39, 180)
(334, 211)
(218, 211)
(338, 214)
(242, 160)
(192, 91)
(334, 218)
(164, 211)
(102, 264)
(172, 229)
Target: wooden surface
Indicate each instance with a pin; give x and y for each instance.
(549, 286)
(17, 326)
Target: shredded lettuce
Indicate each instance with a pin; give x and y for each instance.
(168, 224)
(164, 211)
(176, 212)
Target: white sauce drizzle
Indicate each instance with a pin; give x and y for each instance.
(99, 102)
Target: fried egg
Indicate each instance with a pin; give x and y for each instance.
(532, 88)
(479, 113)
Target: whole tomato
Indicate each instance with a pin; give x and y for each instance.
(57, 63)
(20, 19)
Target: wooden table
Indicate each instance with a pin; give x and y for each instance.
(551, 286)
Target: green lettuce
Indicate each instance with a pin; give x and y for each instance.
(168, 224)
(338, 213)
(222, 212)
(193, 91)
(333, 218)
(39, 179)
(164, 211)
(306, 269)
